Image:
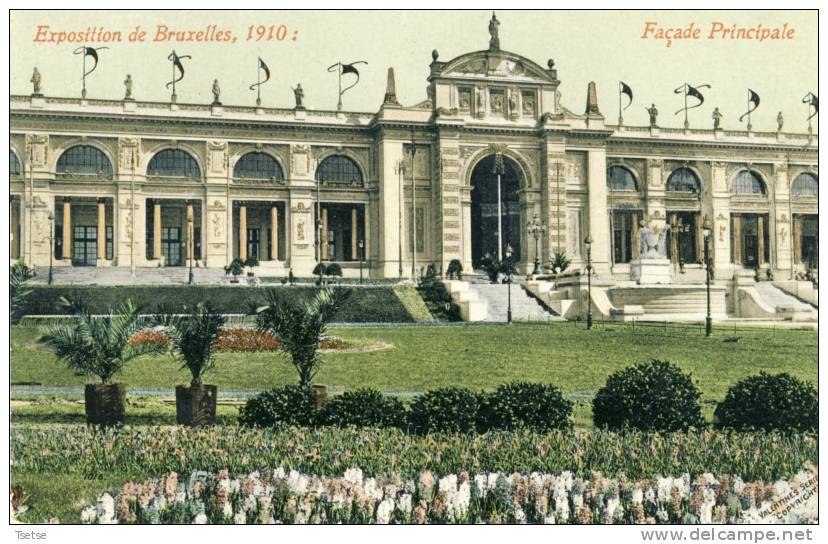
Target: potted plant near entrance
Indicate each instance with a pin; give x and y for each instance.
(99, 346)
(235, 268)
(192, 339)
(251, 263)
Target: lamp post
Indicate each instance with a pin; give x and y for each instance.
(190, 248)
(708, 321)
(361, 246)
(509, 283)
(498, 170)
(588, 244)
(536, 228)
(410, 150)
(51, 245)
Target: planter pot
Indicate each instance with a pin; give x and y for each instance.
(105, 403)
(195, 405)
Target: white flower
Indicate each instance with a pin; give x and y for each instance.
(738, 485)
(227, 510)
(240, 518)
(200, 519)
(353, 475)
(461, 500)
(88, 515)
(520, 515)
(665, 486)
(480, 484)
(637, 496)
(297, 483)
(105, 509)
(404, 503)
(279, 473)
(384, 511)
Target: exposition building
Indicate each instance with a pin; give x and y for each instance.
(132, 184)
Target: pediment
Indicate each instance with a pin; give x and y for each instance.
(501, 65)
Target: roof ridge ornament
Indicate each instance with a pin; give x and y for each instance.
(494, 41)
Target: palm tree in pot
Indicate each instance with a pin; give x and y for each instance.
(193, 338)
(100, 346)
(299, 325)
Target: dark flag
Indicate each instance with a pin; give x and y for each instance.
(89, 52)
(259, 82)
(812, 101)
(176, 60)
(753, 103)
(625, 89)
(341, 70)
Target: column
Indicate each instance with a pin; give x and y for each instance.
(636, 248)
(598, 216)
(11, 229)
(67, 229)
(354, 237)
(797, 237)
(760, 234)
(324, 242)
(243, 232)
(101, 229)
(190, 231)
(156, 229)
(737, 239)
(366, 234)
(673, 221)
(274, 232)
(697, 224)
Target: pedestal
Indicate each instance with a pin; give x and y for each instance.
(651, 271)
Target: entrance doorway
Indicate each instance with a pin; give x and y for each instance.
(84, 246)
(171, 245)
(484, 209)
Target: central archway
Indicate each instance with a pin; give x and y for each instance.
(484, 217)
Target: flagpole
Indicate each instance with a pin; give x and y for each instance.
(339, 101)
(83, 91)
(258, 82)
(748, 110)
(620, 116)
(686, 122)
(173, 97)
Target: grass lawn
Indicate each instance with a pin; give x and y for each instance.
(416, 359)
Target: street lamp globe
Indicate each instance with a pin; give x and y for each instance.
(706, 229)
(588, 242)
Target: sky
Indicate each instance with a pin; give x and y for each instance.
(600, 46)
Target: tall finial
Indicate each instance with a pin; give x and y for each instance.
(494, 41)
(390, 90)
(592, 100)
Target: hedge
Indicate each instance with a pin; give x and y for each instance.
(366, 305)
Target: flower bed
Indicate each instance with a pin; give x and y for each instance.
(281, 496)
(235, 339)
(151, 451)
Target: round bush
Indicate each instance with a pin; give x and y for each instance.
(520, 405)
(289, 405)
(451, 410)
(363, 408)
(654, 396)
(769, 402)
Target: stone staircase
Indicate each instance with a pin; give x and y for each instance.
(785, 305)
(496, 296)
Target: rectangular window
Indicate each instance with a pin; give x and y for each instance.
(197, 243)
(622, 236)
(809, 241)
(683, 234)
(750, 239)
(150, 234)
(109, 243)
(253, 243)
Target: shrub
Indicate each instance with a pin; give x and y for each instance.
(333, 270)
(654, 396)
(451, 409)
(455, 270)
(537, 406)
(769, 402)
(236, 267)
(363, 408)
(288, 405)
(244, 339)
(319, 269)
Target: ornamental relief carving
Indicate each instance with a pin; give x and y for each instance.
(37, 145)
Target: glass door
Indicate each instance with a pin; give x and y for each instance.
(171, 245)
(750, 241)
(253, 243)
(84, 246)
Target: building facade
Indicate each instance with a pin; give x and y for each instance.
(460, 175)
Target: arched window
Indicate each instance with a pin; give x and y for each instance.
(805, 184)
(258, 166)
(84, 159)
(173, 162)
(748, 182)
(620, 179)
(338, 168)
(683, 180)
(14, 164)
